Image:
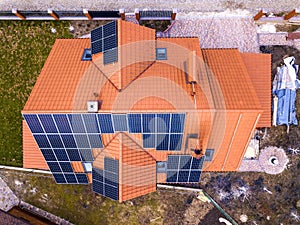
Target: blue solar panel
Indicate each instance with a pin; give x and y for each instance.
(91, 123)
(183, 176)
(185, 162)
(48, 123)
(54, 166)
(97, 175)
(48, 154)
(189, 168)
(71, 178)
(95, 140)
(68, 141)
(120, 122)
(82, 141)
(194, 176)
(62, 123)
(66, 166)
(197, 163)
(81, 178)
(109, 29)
(42, 141)
(73, 154)
(76, 123)
(59, 178)
(148, 140)
(148, 123)
(175, 142)
(55, 141)
(33, 123)
(110, 56)
(135, 123)
(105, 122)
(162, 141)
(111, 192)
(111, 165)
(104, 38)
(111, 178)
(61, 154)
(171, 176)
(173, 161)
(96, 34)
(163, 123)
(86, 155)
(98, 187)
(97, 46)
(177, 123)
(110, 43)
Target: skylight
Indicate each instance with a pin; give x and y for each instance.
(161, 54)
(87, 55)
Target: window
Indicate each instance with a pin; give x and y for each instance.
(161, 167)
(209, 153)
(161, 54)
(87, 55)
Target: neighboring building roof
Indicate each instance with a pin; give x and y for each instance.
(32, 156)
(259, 69)
(6, 218)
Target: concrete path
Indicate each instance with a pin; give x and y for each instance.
(7, 198)
(130, 5)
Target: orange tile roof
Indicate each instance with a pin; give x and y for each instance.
(59, 78)
(216, 87)
(137, 168)
(259, 69)
(77, 167)
(228, 67)
(32, 156)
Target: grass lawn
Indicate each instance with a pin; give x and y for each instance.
(25, 46)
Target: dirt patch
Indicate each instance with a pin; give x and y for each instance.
(196, 212)
(211, 218)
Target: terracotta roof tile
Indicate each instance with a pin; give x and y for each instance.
(77, 167)
(59, 78)
(228, 67)
(32, 156)
(259, 69)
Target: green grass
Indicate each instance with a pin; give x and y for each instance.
(79, 205)
(25, 46)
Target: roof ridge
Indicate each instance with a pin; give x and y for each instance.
(131, 139)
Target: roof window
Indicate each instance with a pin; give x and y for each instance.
(161, 54)
(87, 55)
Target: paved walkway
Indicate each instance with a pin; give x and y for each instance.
(130, 5)
(7, 198)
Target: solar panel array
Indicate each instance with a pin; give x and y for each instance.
(63, 138)
(157, 13)
(106, 182)
(104, 39)
(184, 169)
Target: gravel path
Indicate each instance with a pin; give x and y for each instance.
(275, 6)
(219, 32)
